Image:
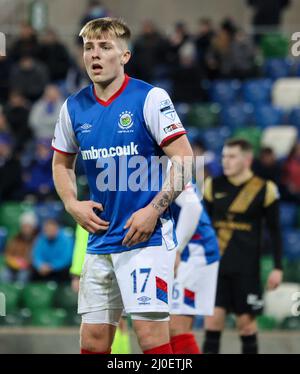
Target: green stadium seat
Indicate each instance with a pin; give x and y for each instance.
(266, 266)
(252, 134)
(9, 216)
(274, 45)
(290, 323)
(49, 317)
(12, 320)
(12, 294)
(265, 322)
(39, 295)
(2, 262)
(73, 318)
(66, 298)
(203, 116)
(230, 321)
(291, 271)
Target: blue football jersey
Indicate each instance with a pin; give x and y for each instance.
(203, 242)
(120, 141)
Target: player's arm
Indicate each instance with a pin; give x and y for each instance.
(63, 169)
(189, 216)
(142, 223)
(165, 127)
(65, 184)
(271, 212)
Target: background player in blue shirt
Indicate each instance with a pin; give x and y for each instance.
(120, 125)
(197, 266)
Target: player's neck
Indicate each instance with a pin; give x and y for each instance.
(241, 178)
(107, 90)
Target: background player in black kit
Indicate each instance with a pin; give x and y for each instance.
(239, 204)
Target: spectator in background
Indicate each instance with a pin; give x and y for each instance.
(231, 54)
(44, 113)
(17, 253)
(267, 14)
(52, 254)
(29, 77)
(10, 170)
(17, 113)
(187, 76)
(149, 50)
(26, 45)
(95, 10)
(291, 176)
(37, 176)
(177, 40)
(203, 39)
(77, 77)
(54, 55)
(212, 166)
(4, 78)
(4, 126)
(267, 166)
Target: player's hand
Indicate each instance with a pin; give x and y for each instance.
(45, 269)
(141, 225)
(177, 263)
(83, 213)
(75, 283)
(274, 280)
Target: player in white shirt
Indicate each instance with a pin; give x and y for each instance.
(197, 265)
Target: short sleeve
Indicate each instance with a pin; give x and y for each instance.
(64, 139)
(161, 117)
(208, 189)
(272, 194)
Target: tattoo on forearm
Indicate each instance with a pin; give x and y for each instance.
(179, 175)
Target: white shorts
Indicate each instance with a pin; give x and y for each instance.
(194, 289)
(138, 281)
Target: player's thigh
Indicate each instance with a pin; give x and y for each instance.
(145, 277)
(98, 289)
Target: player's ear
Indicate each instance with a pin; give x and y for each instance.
(126, 57)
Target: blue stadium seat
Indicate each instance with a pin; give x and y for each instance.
(294, 118)
(182, 110)
(214, 139)
(224, 91)
(288, 215)
(3, 237)
(291, 247)
(268, 115)
(237, 115)
(257, 91)
(166, 84)
(276, 68)
(52, 209)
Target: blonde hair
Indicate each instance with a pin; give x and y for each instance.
(109, 26)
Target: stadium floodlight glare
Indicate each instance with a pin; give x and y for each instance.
(2, 44)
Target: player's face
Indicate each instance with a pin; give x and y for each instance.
(104, 58)
(235, 161)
